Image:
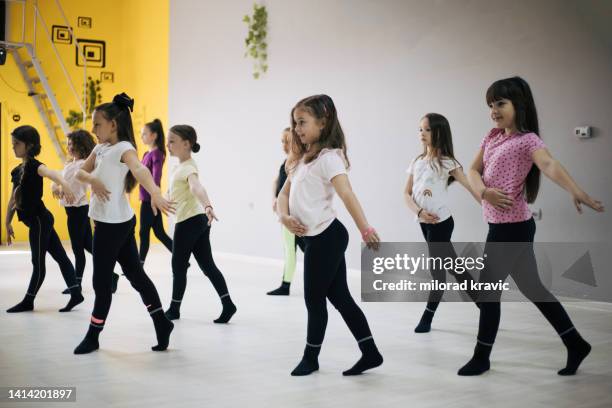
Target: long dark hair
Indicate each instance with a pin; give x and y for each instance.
(188, 133)
(82, 141)
(29, 136)
(160, 140)
(517, 90)
(119, 111)
(332, 137)
(441, 142)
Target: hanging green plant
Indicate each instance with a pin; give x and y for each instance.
(256, 45)
(94, 98)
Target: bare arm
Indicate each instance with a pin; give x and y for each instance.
(461, 178)
(198, 190)
(422, 214)
(408, 195)
(474, 175)
(10, 212)
(274, 197)
(282, 208)
(344, 190)
(84, 176)
(56, 177)
(553, 169)
(496, 197)
(144, 177)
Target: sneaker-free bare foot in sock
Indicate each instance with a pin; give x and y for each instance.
(163, 328)
(74, 300)
(90, 342)
(479, 363)
(26, 305)
(424, 325)
(282, 290)
(229, 308)
(370, 358)
(309, 363)
(577, 350)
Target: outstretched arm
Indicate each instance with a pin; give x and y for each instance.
(56, 177)
(461, 178)
(198, 190)
(144, 177)
(557, 173)
(345, 192)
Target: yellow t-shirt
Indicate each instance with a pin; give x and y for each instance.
(187, 205)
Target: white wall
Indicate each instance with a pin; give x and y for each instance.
(385, 64)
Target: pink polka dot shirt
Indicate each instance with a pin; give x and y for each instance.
(507, 160)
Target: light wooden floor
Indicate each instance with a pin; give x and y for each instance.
(247, 362)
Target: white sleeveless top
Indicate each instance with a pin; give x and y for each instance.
(111, 171)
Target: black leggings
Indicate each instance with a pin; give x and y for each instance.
(43, 239)
(524, 273)
(325, 277)
(116, 243)
(193, 236)
(442, 232)
(148, 221)
(79, 229)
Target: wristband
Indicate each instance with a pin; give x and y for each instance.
(207, 207)
(483, 193)
(419, 213)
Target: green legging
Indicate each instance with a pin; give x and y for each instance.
(291, 244)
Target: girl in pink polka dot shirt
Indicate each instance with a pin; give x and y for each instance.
(506, 175)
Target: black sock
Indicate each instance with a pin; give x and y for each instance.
(282, 290)
(26, 305)
(115, 281)
(577, 349)
(309, 362)
(75, 298)
(163, 328)
(479, 362)
(370, 358)
(174, 311)
(424, 325)
(90, 342)
(229, 308)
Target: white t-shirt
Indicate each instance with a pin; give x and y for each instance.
(78, 189)
(312, 193)
(111, 171)
(429, 185)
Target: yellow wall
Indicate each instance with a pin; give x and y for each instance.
(136, 36)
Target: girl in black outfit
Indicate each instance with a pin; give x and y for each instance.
(26, 199)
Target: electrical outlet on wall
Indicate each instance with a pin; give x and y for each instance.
(583, 132)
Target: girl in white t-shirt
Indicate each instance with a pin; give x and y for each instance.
(317, 167)
(80, 145)
(429, 175)
(112, 170)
